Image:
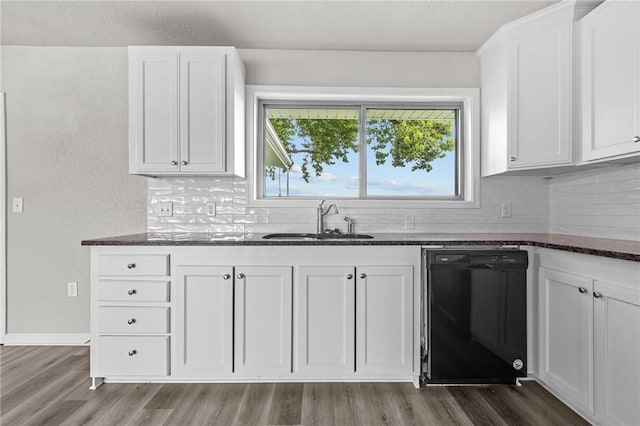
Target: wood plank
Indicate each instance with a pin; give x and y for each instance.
(286, 405)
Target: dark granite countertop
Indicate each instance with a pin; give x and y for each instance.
(619, 249)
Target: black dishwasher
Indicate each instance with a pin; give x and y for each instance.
(475, 316)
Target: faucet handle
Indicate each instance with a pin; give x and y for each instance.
(349, 224)
(321, 205)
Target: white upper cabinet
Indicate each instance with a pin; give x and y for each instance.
(186, 111)
(526, 101)
(610, 81)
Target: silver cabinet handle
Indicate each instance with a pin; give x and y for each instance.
(597, 294)
(636, 139)
(131, 321)
(226, 276)
(363, 275)
(349, 276)
(131, 265)
(240, 276)
(133, 352)
(184, 162)
(582, 289)
(513, 158)
(132, 292)
(174, 163)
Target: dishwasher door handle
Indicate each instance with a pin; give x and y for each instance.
(481, 266)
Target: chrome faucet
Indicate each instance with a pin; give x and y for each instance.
(321, 212)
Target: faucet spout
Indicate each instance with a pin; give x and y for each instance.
(321, 212)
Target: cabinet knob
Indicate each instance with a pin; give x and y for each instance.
(132, 292)
(582, 289)
(226, 276)
(184, 163)
(131, 321)
(597, 294)
(363, 275)
(349, 276)
(133, 352)
(636, 139)
(131, 265)
(240, 276)
(174, 163)
(513, 158)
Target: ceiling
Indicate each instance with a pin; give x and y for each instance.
(420, 26)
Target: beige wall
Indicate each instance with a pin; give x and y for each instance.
(67, 156)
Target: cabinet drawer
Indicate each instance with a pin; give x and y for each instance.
(133, 291)
(134, 319)
(133, 264)
(133, 356)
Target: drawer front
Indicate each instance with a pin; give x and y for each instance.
(133, 291)
(133, 264)
(133, 319)
(133, 356)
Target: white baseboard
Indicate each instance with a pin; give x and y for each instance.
(45, 339)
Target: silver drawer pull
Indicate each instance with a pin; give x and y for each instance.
(184, 163)
(240, 276)
(513, 158)
(131, 321)
(132, 292)
(131, 265)
(636, 139)
(582, 289)
(226, 276)
(174, 163)
(349, 276)
(363, 276)
(133, 352)
(597, 294)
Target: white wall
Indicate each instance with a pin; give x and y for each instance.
(67, 156)
(598, 203)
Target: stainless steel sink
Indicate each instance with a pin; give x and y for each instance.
(307, 236)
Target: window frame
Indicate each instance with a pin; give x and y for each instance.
(467, 139)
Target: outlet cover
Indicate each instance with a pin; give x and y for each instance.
(18, 204)
(211, 209)
(505, 210)
(165, 209)
(72, 289)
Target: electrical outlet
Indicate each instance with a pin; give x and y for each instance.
(211, 209)
(165, 209)
(18, 204)
(72, 289)
(505, 210)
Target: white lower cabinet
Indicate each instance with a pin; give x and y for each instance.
(325, 318)
(589, 334)
(566, 335)
(263, 309)
(204, 320)
(234, 314)
(384, 315)
(617, 353)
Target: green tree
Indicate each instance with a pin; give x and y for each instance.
(407, 142)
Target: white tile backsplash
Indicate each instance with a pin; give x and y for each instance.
(598, 203)
(528, 196)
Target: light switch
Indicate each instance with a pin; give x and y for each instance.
(17, 204)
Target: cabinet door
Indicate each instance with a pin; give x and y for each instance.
(539, 93)
(204, 320)
(384, 321)
(263, 310)
(617, 353)
(202, 124)
(610, 69)
(566, 335)
(153, 112)
(325, 312)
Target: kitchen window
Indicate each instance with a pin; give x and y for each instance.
(364, 150)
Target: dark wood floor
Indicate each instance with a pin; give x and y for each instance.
(50, 386)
